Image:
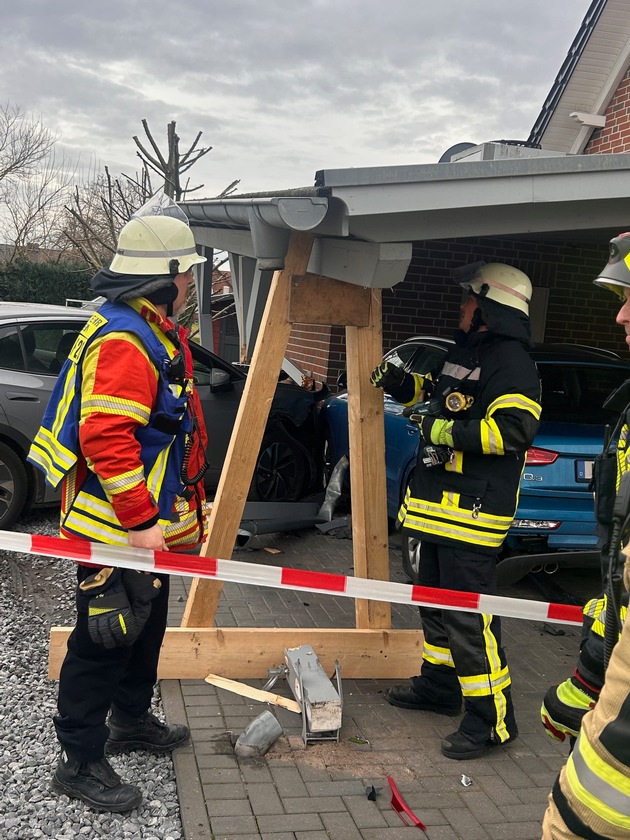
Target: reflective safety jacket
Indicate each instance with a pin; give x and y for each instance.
(472, 498)
(592, 794)
(119, 444)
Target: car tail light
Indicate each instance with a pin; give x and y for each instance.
(536, 524)
(537, 457)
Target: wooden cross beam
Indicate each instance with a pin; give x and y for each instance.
(373, 649)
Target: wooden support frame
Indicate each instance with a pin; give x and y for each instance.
(373, 649)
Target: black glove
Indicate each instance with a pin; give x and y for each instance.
(141, 590)
(114, 620)
(387, 376)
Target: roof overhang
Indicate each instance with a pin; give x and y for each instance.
(355, 210)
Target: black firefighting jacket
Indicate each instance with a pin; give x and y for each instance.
(472, 498)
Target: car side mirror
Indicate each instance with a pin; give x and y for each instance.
(220, 380)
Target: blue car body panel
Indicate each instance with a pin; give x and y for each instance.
(557, 492)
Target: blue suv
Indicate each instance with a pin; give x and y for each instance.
(555, 511)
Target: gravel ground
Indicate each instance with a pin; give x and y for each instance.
(35, 593)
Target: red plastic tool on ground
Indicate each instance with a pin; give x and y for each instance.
(400, 806)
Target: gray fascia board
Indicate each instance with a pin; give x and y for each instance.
(329, 179)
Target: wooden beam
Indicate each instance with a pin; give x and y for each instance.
(248, 653)
(254, 693)
(322, 300)
(249, 427)
(364, 350)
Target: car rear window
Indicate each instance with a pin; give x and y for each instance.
(576, 393)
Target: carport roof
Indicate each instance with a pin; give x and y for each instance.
(582, 196)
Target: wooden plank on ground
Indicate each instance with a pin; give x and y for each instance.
(258, 694)
(248, 431)
(249, 653)
(322, 300)
(370, 542)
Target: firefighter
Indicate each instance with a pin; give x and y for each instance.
(124, 436)
(477, 414)
(591, 797)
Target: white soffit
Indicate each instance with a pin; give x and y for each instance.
(601, 67)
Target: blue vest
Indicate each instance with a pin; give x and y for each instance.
(162, 441)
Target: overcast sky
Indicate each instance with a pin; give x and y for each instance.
(282, 88)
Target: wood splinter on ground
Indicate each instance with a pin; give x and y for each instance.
(254, 693)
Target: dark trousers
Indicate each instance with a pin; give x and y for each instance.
(93, 678)
(462, 651)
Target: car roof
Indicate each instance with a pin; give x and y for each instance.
(16, 309)
(545, 352)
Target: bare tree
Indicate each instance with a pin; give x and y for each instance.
(98, 210)
(34, 209)
(24, 144)
(172, 165)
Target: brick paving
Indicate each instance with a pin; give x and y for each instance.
(319, 792)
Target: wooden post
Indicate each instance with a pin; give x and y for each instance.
(236, 476)
(364, 350)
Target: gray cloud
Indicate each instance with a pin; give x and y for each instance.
(280, 88)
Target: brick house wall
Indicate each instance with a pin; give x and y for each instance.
(427, 301)
(615, 135)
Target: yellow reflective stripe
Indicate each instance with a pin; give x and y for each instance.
(491, 438)
(456, 464)
(95, 506)
(106, 404)
(418, 388)
(482, 685)
(597, 785)
(500, 705)
(429, 526)
(437, 655)
(122, 482)
(450, 499)
(436, 509)
(61, 454)
(155, 478)
(41, 457)
(93, 530)
(64, 403)
(595, 607)
(515, 401)
(490, 644)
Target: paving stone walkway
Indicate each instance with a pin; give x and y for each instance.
(319, 792)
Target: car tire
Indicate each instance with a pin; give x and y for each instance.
(411, 557)
(281, 470)
(13, 486)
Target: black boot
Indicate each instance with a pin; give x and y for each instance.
(96, 783)
(459, 746)
(143, 733)
(405, 697)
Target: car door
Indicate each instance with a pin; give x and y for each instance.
(219, 402)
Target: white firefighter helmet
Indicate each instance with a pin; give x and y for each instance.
(502, 283)
(155, 245)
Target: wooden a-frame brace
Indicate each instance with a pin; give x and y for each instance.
(372, 649)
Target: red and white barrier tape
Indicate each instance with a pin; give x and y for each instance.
(234, 571)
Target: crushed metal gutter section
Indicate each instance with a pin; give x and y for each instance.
(270, 221)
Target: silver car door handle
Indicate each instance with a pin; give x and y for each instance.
(21, 396)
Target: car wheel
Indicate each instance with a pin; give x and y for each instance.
(411, 557)
(13, 486)
(281, 470)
